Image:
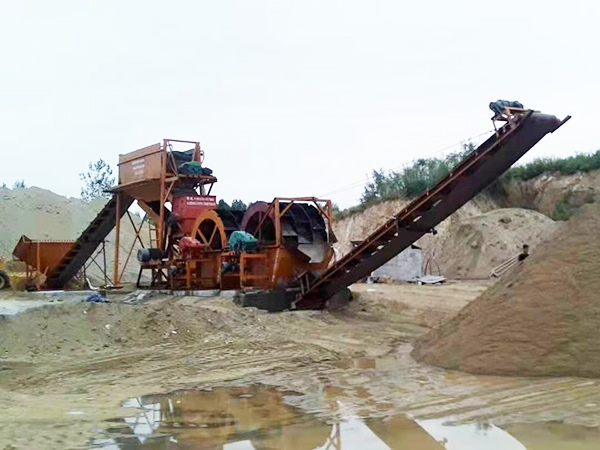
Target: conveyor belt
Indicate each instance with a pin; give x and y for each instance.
(471, 176)
(87, 243)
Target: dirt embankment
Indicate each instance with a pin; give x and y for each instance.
(471, 242)
(358, 226)
(544, 319)
(41, 214)
(492, 227)
(548, 192)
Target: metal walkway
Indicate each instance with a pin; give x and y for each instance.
(422, 215)
(87, 243)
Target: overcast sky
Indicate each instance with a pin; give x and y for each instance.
(287, 98)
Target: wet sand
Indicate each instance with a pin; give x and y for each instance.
(351, 363)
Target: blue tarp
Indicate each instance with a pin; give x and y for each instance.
(96, 298)
(240, 241)
(499, 105)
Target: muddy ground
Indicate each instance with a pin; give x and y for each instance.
(66, 369)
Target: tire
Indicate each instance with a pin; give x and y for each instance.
(4, 280)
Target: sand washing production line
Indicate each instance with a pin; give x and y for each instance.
(277, 254)
(197, 246)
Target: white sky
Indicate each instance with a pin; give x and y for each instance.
(288, 98)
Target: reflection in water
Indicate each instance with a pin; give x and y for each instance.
(470, 436)
(253, 418)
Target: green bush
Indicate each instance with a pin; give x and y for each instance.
(562, 211)
(583, 162)
(568, 205)
(416, 178)
(411, 180)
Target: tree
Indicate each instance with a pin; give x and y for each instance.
(372, 190)
(412, 179)
(19, 184)
(96, 180)
(238, 205)
(336, 211)
(4, 186)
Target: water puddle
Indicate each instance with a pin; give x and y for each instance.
(258, 417)
(13, 303)
(13, 307)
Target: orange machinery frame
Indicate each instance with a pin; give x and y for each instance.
(270, 266)
(146, 176)
(276, 263)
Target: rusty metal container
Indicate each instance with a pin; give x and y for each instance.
(141, 165)
(141, 171)
(41, 255)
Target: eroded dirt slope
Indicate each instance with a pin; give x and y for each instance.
(470, 243)
(547, 191)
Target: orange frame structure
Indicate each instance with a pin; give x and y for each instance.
(151, 176)
(276, 263)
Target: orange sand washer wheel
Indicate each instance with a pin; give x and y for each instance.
(209, 230)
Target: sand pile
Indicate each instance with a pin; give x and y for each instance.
(41, 214)
(543, 319)
(469, 247)
(71, 328)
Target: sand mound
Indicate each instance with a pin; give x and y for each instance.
(83, 327)
(469, 247)
(41, 214)
(543, 319)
